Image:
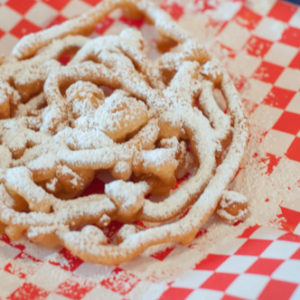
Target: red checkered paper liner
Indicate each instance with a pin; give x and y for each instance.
(259, 43)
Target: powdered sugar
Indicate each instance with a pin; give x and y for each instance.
(232, 197)
(6, 157)
(136, 110)
(127, 196)
(51, 185)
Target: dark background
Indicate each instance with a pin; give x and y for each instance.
(295, 1)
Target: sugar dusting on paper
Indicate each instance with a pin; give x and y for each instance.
(280, 186)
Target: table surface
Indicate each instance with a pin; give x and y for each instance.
(259, 44)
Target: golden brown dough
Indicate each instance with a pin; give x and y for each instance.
(112, 109)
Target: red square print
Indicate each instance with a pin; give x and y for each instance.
(22, 270)
(211, 262)
(120, 281)
(247, 18)
(268, 72)
(28, 291)
(277, 289)
(24, 27)
(289, 218)
(4, 238)
(161, 255)
(282, 11)
(296, 255)
(20, 6)
(294, 150)
(295, 63)
(291, 237)
(57, 20)
(175, 293)
(104, 25)
(257, 46)
(1, 33)
(175, 10)
(138, 23)
(228, 297)
(279, 97)
(264, 266)
(204, 5)
(57, 4)
(269, 162)
(219, 281)
(70, 262)
(92, 2)
(291, 36)
(15, 270)
(26, 257)
(249, 231)
(229, 52)
(75, 290)
(240, 82)
(288, 122)
(253, 247)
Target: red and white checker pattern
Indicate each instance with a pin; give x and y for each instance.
(273, 48)
(263, 262)
(265, 266)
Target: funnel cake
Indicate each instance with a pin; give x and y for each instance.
(111, 108)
